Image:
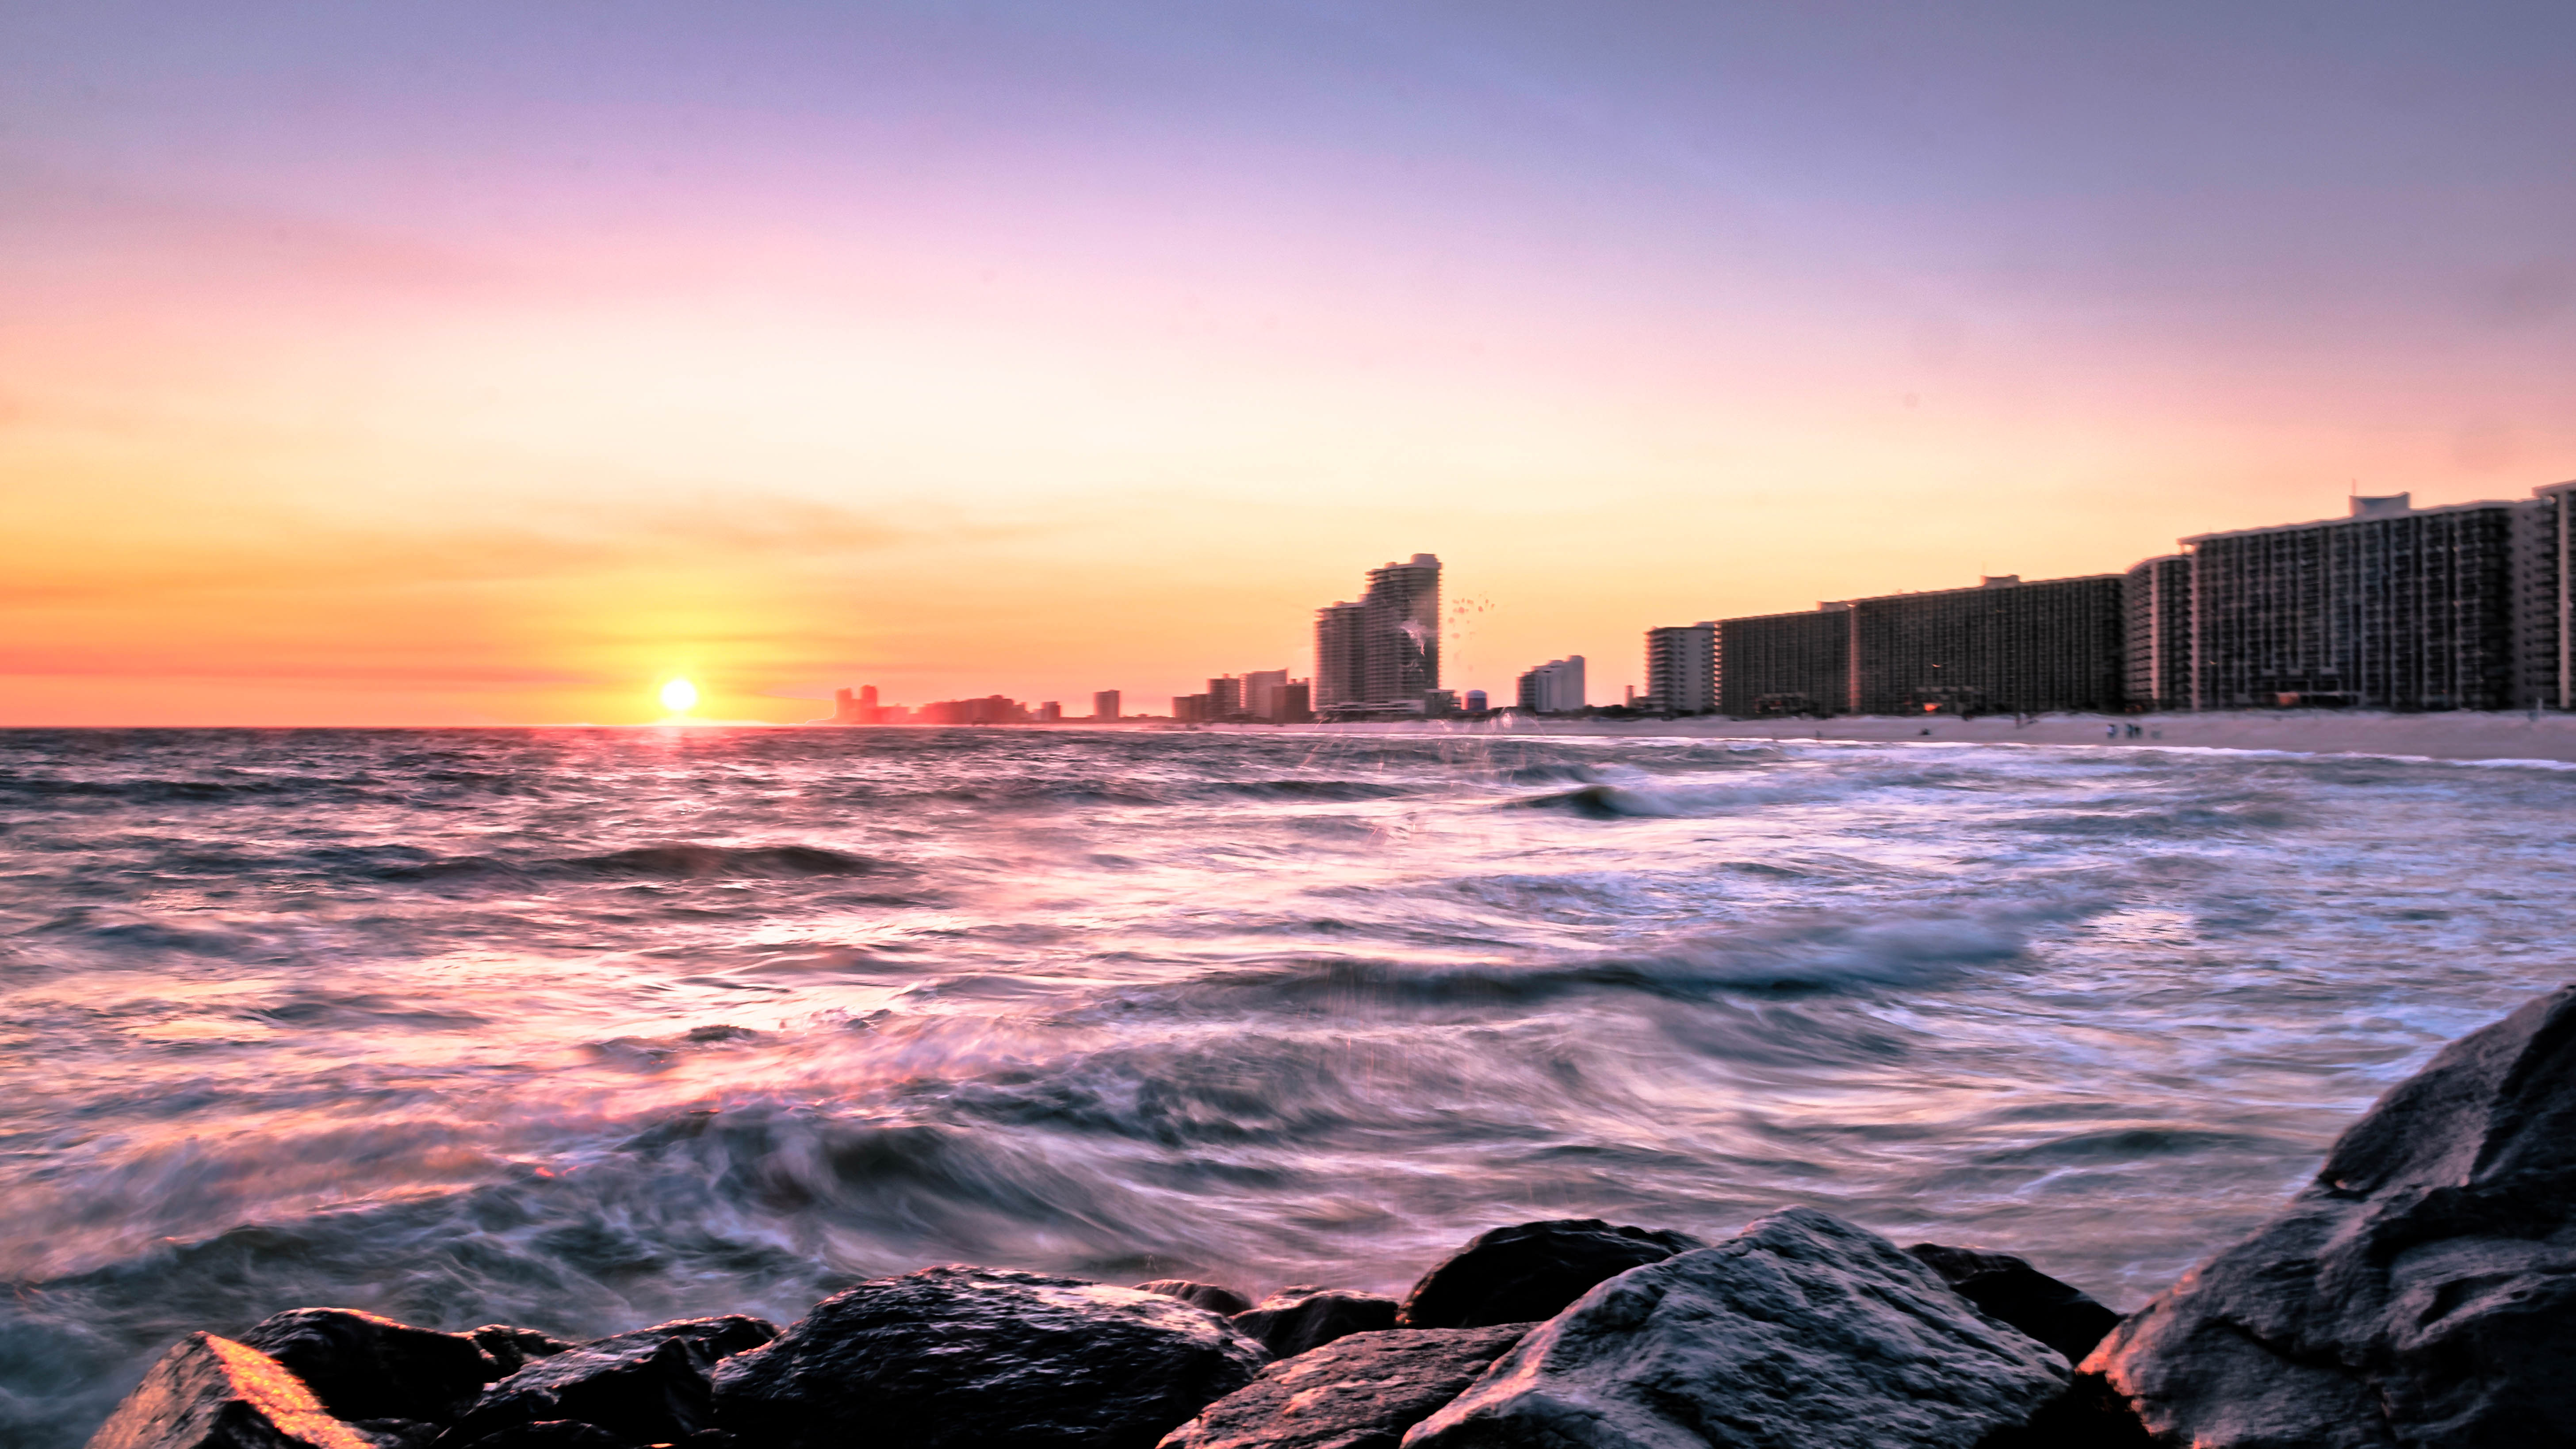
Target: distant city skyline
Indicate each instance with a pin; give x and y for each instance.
(498, 364)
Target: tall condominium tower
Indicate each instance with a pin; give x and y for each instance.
(1383, 651)
(2155, 607)
(1681, 668)
(1555, 687)
(2394, 607)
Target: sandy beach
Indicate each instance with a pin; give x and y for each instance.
(2460, 736)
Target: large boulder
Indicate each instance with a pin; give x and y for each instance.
(975, 1358)
(1801, 1331)
(1529, 1271)
(1209, 1296)
(2420, 1291)
(513, 1349)
(362, 1366)
(650, 1386)
(1299, 1319)
(215, 1393)
(1361, 1391)
(2057, 1314)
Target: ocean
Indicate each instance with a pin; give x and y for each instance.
(584, 1029)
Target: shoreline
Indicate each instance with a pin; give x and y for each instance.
(2486, 736)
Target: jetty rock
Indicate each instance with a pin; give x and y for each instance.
(1802, 1330)
(959, 1357)
(2421, 1290)
(2064, 1317)
(650, 1386)
(363, 1366)
(216, 1393)
(1304, 1318)
(1210, 1296)
(1530, 1271)
(1361, 1391)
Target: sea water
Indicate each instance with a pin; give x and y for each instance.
(584, 1029)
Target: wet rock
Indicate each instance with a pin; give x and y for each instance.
(554, 1434)
(1528, 1272)
(649, 1386)
(976, 1358)
(1361, 1391)
(1296, 1320)
(398, 1433)
(1802, 1330)
(363, 1366)
(1204, 1295)
(214, 1393)
(2057, 1314)
(513, 1349)
(2420, 1291)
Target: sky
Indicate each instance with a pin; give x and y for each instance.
(494, 363)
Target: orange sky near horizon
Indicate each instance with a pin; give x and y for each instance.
(324, 402)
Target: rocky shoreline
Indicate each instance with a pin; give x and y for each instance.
(2421, 1290)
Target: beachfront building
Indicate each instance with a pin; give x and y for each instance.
(1785, 664)
(1555, 687)
(1105, 704)
(2155, 604)
(2053, 644)
(2392, 607)
(1681, 668)
(1381, 654)
(2545, 599)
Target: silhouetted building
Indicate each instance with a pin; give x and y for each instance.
(1785, 664)
(1296, 702)
(1475, 701)
(1050, 712)
(2545, 599)
(991, 709)
(1341, 654)
(1190, 708)
(1261, 691)
(2003, 645)
(2155, 606)
(1555, 687)
(1403, 630)
(1224, 697)
(2394, 607)
(1105, 704)
(863, 709)
(1681, 668)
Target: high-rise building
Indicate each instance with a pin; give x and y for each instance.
(1786, 664)
(1341, 658)
(2393, 607)
(2545, 600)
(1225, 697)
(1261, 693)
(1384, 651)
(2155, 604)
(1050, 712)
(2054, 644)
(1681, 668)
(1403, 630)
(1555, 687)
(1105, 704)
(1296, 702)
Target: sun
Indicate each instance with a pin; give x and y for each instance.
(679, 696)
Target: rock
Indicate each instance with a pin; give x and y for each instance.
(1361, 1391)
(979, 1358)
(554, 1434)
(1205, 1295)
(1295, 1320)
(2420, 1291)
(650, 1386)
(214, 1393)
(1528, 1272)
(2057, 1314)
(398, 1433)
(1801, 1331)
(513, 1349)
(362, 1366)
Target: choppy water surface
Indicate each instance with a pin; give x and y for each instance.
(584, 1029)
